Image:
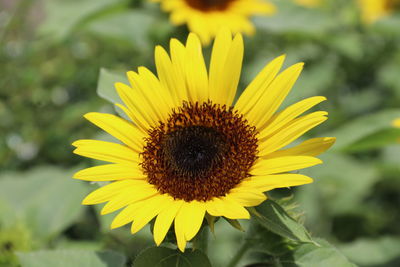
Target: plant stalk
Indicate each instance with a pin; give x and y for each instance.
(239, 255)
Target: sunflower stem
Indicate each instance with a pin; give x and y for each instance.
(240, 253)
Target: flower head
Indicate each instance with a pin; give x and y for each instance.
(373, 10)
(308, 3)
(396, 123)
(206, 17)
(188, 151)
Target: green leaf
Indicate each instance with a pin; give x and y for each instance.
(376, 140)
(235, 224)
(372, 251)
(165, 257)
(292, 19)
(360, 128)
(45, 198)
(263, 240)
(131, 26)
(348, 44)
(106, 82)
(62, 16)
(106, 219)
(388, 25)
(67, 258)
(309, 255)
(106, 88)
(388, 74)
(273, 217)
(341, 184)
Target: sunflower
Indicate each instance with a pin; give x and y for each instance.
(373, 10)
(396, 123)
(205, 17)
(308, 3)
(188, 152)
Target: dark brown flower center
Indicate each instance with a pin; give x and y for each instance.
(209, 5)
(194, 151)
(392, 5)
(202, 151)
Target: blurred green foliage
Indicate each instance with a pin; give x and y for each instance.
(52, 54)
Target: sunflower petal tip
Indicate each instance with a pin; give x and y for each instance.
(320, 98)
(114, 225)
(182, 249)
(119, 86)
(157, 241)
(319, 161)
(142, 69)
(102, 212)
(195, 40)
(159, 51)
(77, 175)
(86, 201)
(309, 180)
(173, 42)
(90, 115)
(130, 72)
(79, 143)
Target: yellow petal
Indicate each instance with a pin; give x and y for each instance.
(196, 72)
(191, 216)
(133, 116)
(110, 172)
(168, 75)
(149, 94)
(155, 92)
(254, 7)
(289, 114)
(178, 51)
(180, 234)
(256, 88)
(290, 133)
(164, 220)
(119, 128)
(227, 207)
(105, 151)
(269, 182)
(225, 67)
(273, 96)
(106, 192)
(396, 123)
(143, 115)
(126, 215)
(283, 164)
(151, 208)
(311, 147)
(128, 196)
(372, 10)
(248, 197)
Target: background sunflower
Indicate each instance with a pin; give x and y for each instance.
(205, 18)
(51, 52)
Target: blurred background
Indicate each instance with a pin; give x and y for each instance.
(58, 58)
